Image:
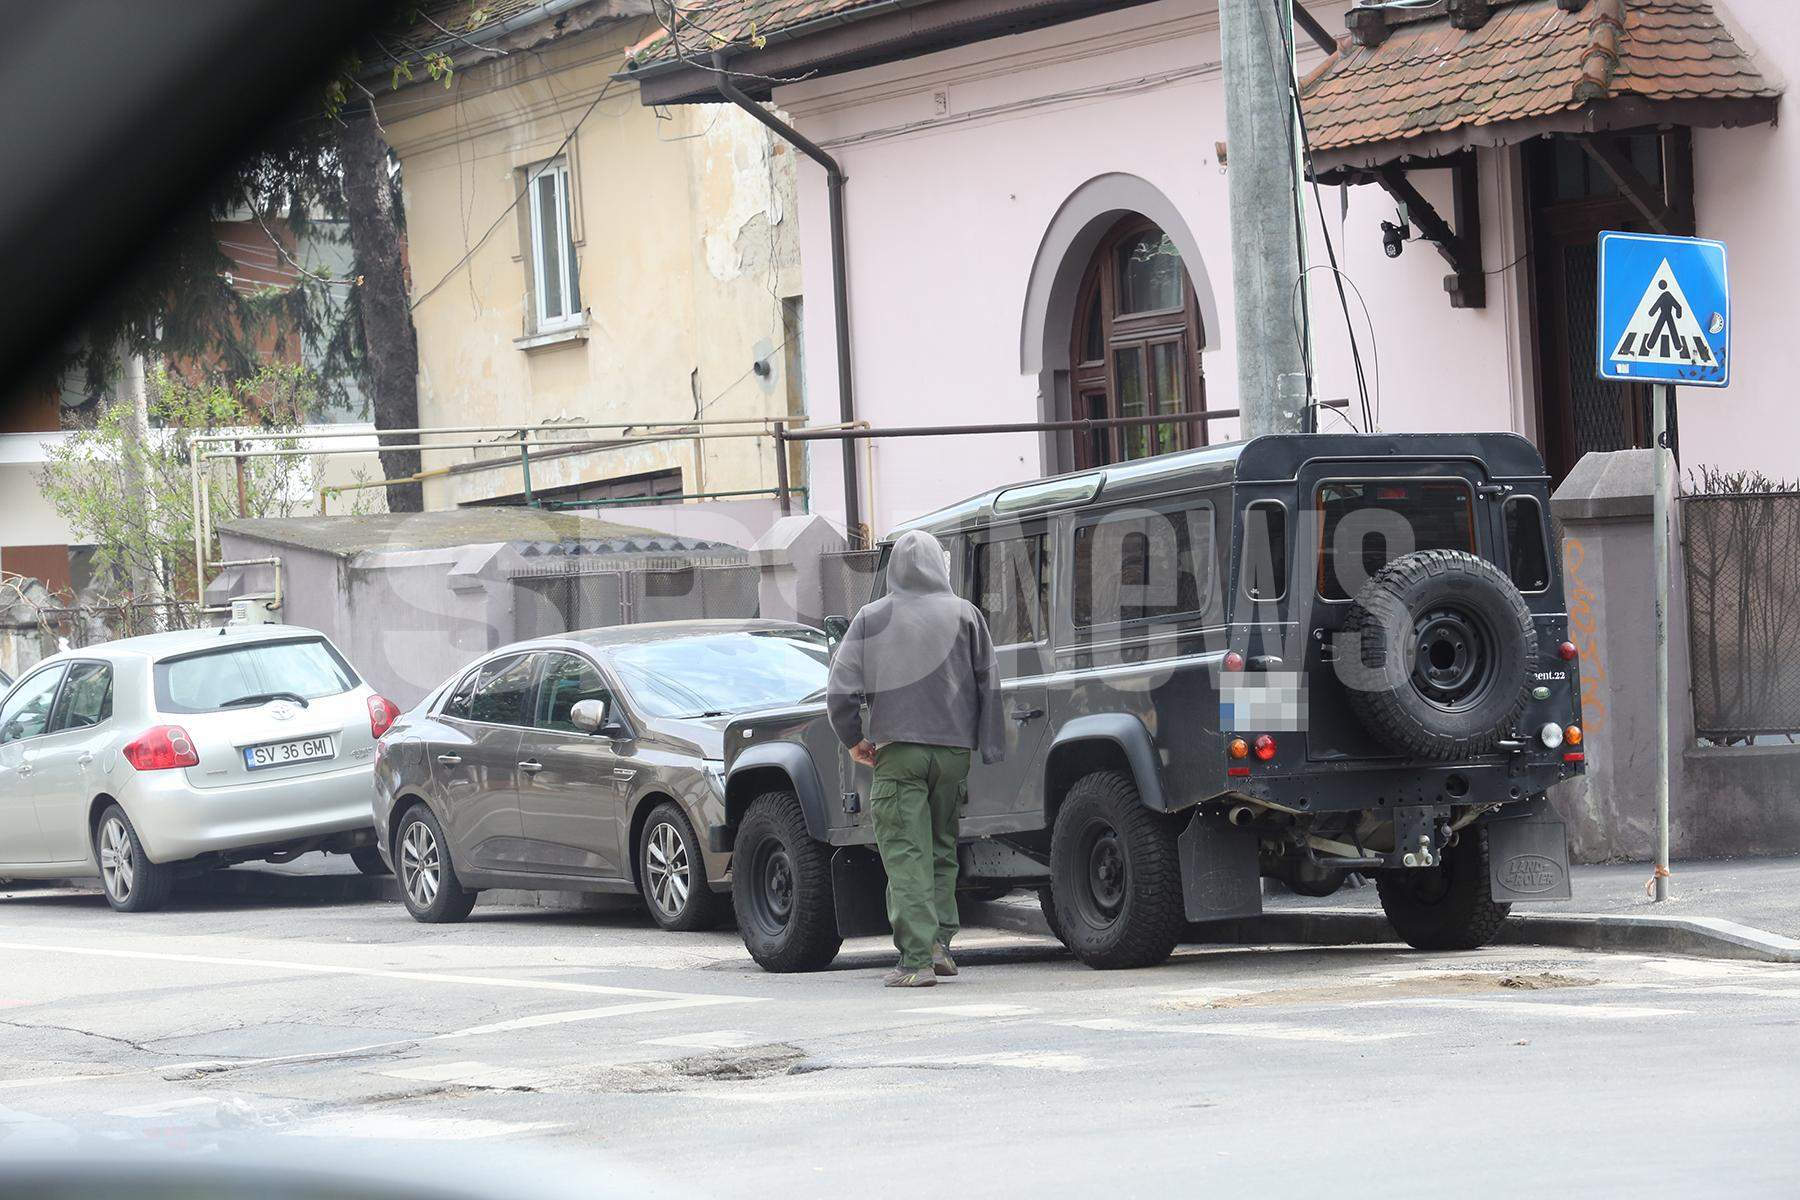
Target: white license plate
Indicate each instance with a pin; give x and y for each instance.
(281, 754)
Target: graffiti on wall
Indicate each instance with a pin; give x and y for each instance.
(1584, 631)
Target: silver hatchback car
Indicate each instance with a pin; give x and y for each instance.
(140, 760)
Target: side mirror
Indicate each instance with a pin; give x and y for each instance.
(836, 628)
(589, 716)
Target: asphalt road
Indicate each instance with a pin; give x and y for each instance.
(656, 1064)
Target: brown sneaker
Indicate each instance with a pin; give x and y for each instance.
(941, 962)
(909, 977)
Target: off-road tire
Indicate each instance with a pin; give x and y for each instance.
(773, 856)
(368, 861)
(704, 908)
(1047, 905)
(1119, 904)
(1440, 596)
(446, 903)
(147, 885)
(1447, 907)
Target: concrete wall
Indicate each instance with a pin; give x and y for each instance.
(686, 241)
(406, 620)
(960, 164)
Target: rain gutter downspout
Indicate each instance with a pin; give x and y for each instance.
(840, 291)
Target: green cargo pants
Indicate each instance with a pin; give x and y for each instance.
(916, 800)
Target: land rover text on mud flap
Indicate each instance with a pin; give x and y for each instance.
(1296, 657)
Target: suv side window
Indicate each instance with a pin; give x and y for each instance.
(568, 680)
(86, 698)
(1139, 565)
(1012, 588)
(1527, 556)
(26, 713)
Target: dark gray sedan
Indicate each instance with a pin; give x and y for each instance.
(585, 762)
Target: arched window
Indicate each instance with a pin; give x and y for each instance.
(1136, 346)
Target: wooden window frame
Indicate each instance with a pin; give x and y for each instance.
(1123, 333)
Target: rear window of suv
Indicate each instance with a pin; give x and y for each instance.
(1365, 524)
(213, 679)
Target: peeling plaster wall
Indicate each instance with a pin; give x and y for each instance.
(686, 244)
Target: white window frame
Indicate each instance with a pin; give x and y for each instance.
(553, 174)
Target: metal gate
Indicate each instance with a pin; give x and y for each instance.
(1742, 557)
(845, 581)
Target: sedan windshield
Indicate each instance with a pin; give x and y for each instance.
(244, 676)
(727, 673)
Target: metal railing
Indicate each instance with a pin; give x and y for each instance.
(1742, 560)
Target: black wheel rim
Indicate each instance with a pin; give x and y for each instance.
(1104, 876)
(772, 888)
(1453, 657)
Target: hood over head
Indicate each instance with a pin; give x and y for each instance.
(916, 564)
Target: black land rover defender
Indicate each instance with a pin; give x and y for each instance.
(1296, 657)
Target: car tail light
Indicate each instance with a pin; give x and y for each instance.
(1265, 747)
(164, 748)
(1234, 661)
(1572, 735)
(1239, 748)
(382, 715)
(1574, 756)
(1568, 651)
(1237, 772)
(1551, 735)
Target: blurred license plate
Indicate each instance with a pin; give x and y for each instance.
(280, 754)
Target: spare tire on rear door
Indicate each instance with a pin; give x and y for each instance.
(1440, 648)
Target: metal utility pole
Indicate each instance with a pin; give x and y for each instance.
(1263, 173)
(1662, 396)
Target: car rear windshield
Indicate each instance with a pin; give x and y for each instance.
(234, 676)
(726, 673)
(1366, 524)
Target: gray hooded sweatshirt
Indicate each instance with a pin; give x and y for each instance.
(922, 660)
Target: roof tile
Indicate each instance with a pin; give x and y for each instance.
(1527, 61)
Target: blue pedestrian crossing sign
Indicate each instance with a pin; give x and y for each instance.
(1665, 310)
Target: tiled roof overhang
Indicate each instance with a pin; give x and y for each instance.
(1533, 67)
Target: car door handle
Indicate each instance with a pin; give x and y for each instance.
(86, 759)
(531, 766)
(450, 760)
(1023, 715)
(25, 769)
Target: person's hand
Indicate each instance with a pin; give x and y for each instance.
(863, 752)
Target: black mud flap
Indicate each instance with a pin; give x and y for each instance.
(1528, 853)
(1220, 876)
(860, 887)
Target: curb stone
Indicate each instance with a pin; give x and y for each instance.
(1697, 937)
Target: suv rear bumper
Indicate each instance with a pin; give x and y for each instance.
(1356, 786)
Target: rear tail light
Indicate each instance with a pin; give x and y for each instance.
(1568, 651)
(1265, 747)
(1551, 735)
(1239, 748)
(1234, 661)
(1572, 735)
(1574, 756)
(164, 748)
(382, 715)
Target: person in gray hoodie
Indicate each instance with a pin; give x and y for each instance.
(921, 660)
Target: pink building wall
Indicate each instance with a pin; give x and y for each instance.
(959, 162)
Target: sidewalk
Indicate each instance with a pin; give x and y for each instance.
(1726, 908)
(1763, 893)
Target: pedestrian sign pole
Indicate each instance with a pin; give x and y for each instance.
(1665, 319)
